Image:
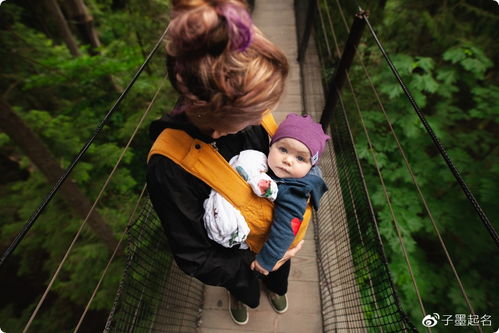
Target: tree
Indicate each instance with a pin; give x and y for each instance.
(53, 8)
(33, 147)
(442, 52)
(84, 23)
(61, 98)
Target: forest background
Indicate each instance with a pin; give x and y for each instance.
(64, 63)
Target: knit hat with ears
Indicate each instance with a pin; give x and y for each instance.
(305, 130)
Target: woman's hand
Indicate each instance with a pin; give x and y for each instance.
(288, 255)
(255, 266)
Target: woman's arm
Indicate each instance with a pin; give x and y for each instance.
(178, 200)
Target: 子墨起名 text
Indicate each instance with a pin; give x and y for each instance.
(458, 319)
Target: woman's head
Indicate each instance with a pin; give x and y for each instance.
(227, 72)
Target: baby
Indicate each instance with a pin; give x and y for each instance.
(293, 179)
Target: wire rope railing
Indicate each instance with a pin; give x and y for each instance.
(94, 205)
(412, 175)
(358, 293)
(106, 269)
(132, 215)
(452, 168)
(346, 184)
(378, 171)
(38, 211)
(443, 152)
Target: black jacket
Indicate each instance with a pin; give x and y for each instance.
(178, 198)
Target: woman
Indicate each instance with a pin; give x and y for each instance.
(227, 75)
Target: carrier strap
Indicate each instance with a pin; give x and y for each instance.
(203, 161)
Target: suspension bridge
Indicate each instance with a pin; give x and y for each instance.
(340, 281)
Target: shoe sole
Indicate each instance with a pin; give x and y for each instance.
(274, 308)
(241, 323)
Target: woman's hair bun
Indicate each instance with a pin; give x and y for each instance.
(201, 27)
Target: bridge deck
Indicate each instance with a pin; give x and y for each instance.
(276, 19)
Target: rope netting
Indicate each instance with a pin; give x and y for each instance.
(356, 287)
(154, 295)
(357, 291)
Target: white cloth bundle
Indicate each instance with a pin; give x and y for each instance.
(223, 222)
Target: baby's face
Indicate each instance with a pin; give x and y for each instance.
(289, 158)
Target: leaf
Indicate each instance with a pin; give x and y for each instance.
(447, 75)
(424, 82)
(4, 139)
(425, 63)
(470, 57)
(410, 125)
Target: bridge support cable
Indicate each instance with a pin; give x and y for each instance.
(323, 26)
(360, 16)
(493, 233)
(101, 192)
(356, 288)
(111, 259)
(154, 295)
(33, 218)
(334, 95)
(410, 170)
(352, 45)
(388, 200)
(444, 248)
(338, 80)
(360, 169)
(309, 20)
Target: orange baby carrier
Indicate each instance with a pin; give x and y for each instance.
(203, 161)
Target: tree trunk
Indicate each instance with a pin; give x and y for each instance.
(53, 8)
(29, 142)
(84, 22)
(141, 45)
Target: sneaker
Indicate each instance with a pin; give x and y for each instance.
(279, 303)
(238, 311)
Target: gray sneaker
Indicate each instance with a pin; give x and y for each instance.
(279, 303)
(238, 311)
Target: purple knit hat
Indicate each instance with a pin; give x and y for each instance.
(305, 130)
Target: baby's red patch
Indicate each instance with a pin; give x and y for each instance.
(295, 225)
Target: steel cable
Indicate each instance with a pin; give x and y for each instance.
(73, 242)
(31, 221)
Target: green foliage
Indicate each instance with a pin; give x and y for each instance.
(443, 52)
(471, 58)
(63, 99)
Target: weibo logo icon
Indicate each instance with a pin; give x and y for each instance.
(430, 320)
